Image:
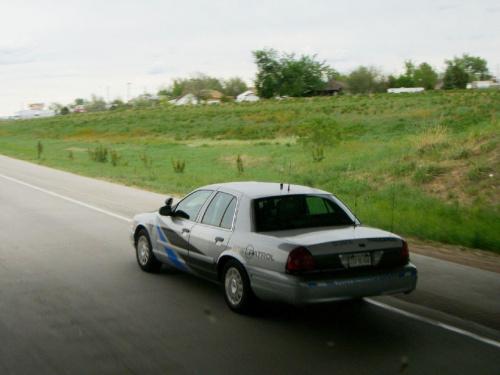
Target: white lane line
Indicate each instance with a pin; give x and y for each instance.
(434, 323)
(67, 198)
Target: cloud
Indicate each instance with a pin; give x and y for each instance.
(446, 7)
(157, 68)
(15, 55)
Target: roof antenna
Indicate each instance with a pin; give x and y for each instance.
(289, 176)
(284, 167)
(393, 203)
(355, 207)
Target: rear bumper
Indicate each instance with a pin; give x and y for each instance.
(303, 290)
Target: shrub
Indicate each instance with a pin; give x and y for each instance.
(100, 154)
(239, 165)
(317, 133)
(147, 161)
(178, 165)
(115, 158)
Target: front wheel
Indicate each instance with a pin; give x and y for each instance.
(237, 290)
(144, 252)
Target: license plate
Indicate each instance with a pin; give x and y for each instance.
(359, 260)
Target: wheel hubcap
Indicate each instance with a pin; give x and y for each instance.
(234, 286)
(143, 251)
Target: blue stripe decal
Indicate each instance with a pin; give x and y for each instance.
(172, 256)
(175, 260)
(160, 233)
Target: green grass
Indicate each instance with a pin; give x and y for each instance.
(435, 154)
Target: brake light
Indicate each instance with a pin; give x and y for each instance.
(404, 256)
(300, 260)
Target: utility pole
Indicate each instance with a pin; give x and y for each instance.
(128, 91)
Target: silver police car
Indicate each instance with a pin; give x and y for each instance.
(273, 241)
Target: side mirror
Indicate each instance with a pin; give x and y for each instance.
(167, 209)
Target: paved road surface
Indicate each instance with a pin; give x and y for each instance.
(73, 300)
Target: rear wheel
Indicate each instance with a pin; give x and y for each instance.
(144, 252)
(237, 290)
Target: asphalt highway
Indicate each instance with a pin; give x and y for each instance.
(73, 300)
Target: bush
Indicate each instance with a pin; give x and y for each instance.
(239, 165)
(100, 154)
(178, 165)
(319, 132)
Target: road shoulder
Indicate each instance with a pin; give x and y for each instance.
(484, 260)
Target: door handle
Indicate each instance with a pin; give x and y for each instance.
(185, 231)
(219, 239)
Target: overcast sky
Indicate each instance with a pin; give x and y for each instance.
(60, 50)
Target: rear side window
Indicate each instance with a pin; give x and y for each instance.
(220, 211)
(298, 211)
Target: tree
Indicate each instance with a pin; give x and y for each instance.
(95, 104)
(234, 86)
(366, 80)
(425, 76)
(143, 101)
(289, 75)
(303, 76)
(407, 79)
(200, 85)
(455, 77)
(421, 76)
(175, 89)
(475, 67)
(268, 79)
(117, 104)
(319, 132)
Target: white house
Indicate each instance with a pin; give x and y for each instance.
(247, 96)
(482, 85)
(405, 89)
(26, 114)
(186, 99)
(211, 96)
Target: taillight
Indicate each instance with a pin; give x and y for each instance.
(300, 260)
(404, 256)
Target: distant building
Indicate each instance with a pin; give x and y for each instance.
(79, 109)
(401, 90)
(247, 96)
(331, 88)
(482, 85)
(26, 114)
(210, 97)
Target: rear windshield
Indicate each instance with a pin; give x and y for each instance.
(298, 211)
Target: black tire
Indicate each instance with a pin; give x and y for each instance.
(237, 290)
(144, 253)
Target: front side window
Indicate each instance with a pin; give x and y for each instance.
(298, 211)
(190, 206)
(220, 211)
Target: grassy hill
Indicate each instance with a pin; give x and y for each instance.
(433, 156)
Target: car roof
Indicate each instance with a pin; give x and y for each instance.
(255, 190)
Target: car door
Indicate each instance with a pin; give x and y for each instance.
(210, 236)
(174, 230)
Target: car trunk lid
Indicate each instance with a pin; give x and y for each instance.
(348, 247)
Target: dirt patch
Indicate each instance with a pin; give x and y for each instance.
(485, 260)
